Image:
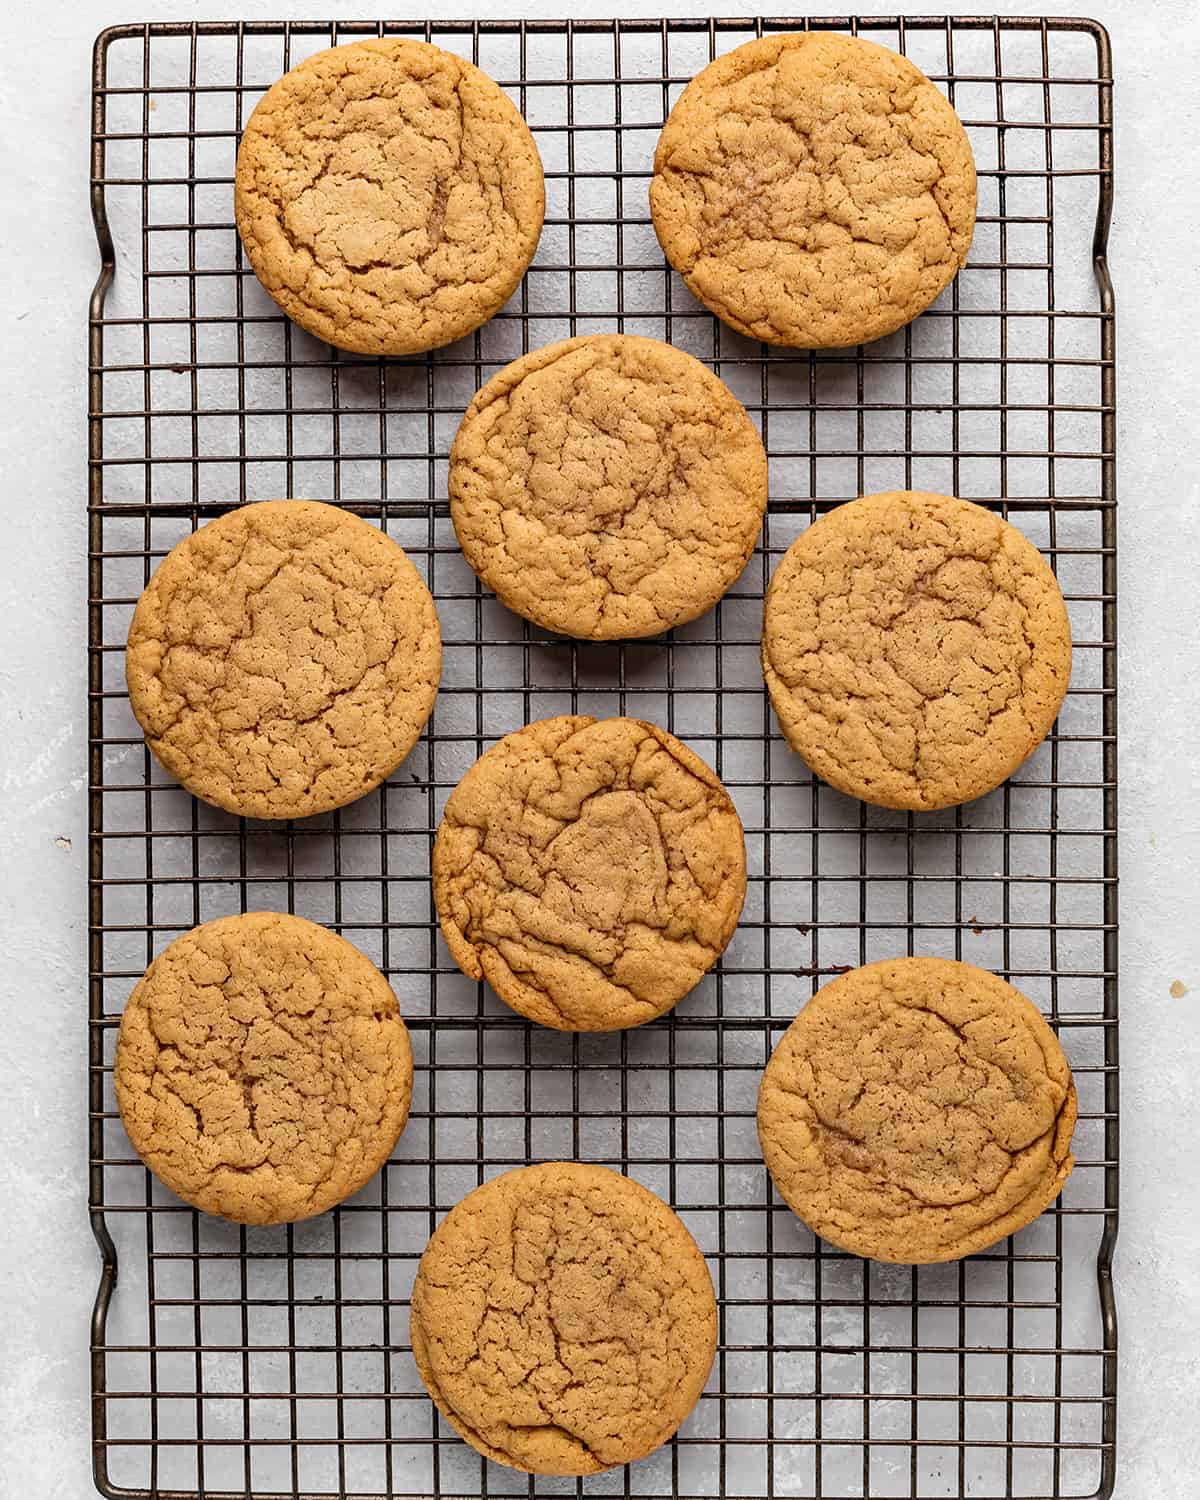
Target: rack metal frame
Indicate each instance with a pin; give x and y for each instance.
(272, 1364)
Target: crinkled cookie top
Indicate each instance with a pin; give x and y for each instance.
(814, 190)
(563, 1319)
(262, 1069)
(608, 486)
(389, 196)
(916, 648)
(283, 659)
(917, 1110)
(592, 871)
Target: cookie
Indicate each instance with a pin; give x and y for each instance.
(916, 648)
(262, 1070)
(389, 196)
(283, 659)
(563, 1319)
(607, 487)
(814, 190)
(917, 1110)
(591, 870)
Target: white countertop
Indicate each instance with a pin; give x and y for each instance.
(48, 1262)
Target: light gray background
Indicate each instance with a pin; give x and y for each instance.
(48, 1263)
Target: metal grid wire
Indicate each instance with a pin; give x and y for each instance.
(235, 1361)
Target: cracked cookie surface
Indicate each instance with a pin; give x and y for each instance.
(389, 196)
(262, 1069)
(917, 1110)
(563, 1319)
(814, 190)
(283, 659)
(608, 486)
(916, 648)
(592, 871)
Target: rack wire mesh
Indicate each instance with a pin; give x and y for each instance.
(275, 1362)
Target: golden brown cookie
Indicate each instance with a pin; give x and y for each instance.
(592, 871)
(608, 486)
(916, 648)
(262, 1069)
(563, 1319)
(814, 190)
(917, 1110)
(389, 196)
(283, 659)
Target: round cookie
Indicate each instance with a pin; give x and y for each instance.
(563, 1319)
(592, 871)
(607, 487)
(916, 648)
(917, 1110)
(283, 659)
(262, 1070)
(389, 196)
(814, 190)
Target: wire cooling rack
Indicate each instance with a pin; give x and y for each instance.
(275, 1362)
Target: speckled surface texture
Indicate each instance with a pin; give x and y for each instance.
(48, 1262)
